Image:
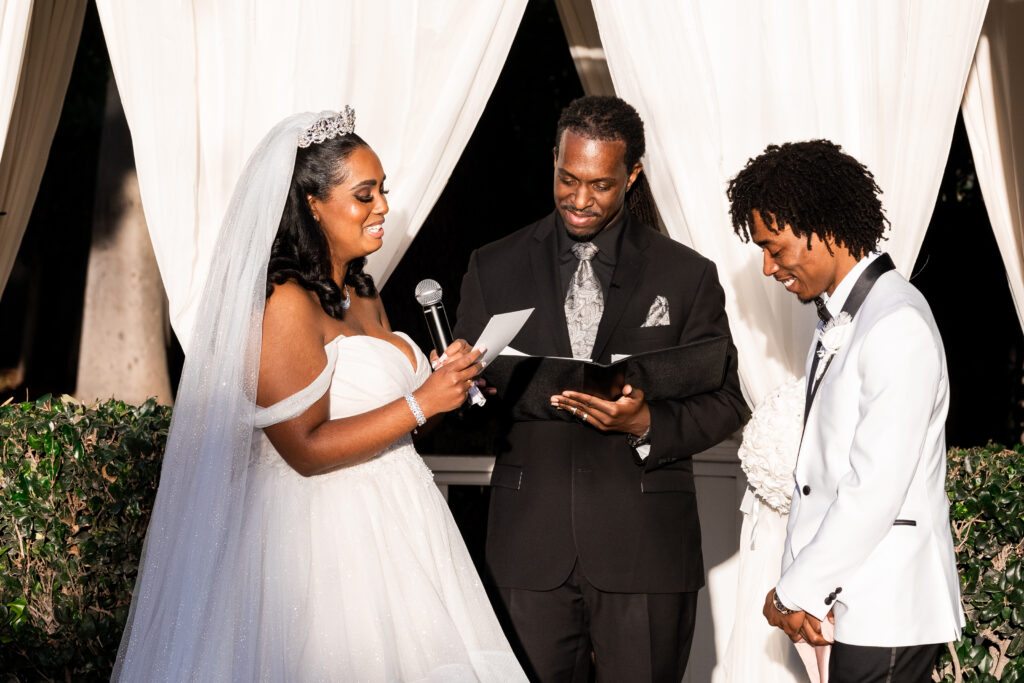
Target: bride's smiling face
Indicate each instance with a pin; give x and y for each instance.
(352, 214)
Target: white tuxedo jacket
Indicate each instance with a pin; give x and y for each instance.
(868, 533)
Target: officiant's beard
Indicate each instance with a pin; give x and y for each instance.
(588, 235)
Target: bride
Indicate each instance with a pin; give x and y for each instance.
(297, 535)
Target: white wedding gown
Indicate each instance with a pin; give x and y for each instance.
(756, 651)
(359, 574)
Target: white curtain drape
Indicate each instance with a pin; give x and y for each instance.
(993, 109)
(14, 18)
(202, 82)
(38, 41)
(717, 80)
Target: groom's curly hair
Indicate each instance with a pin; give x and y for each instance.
(300, 251)
(814, 188)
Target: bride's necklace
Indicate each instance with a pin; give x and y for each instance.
(347, 301)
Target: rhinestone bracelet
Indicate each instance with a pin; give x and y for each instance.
(417, 412)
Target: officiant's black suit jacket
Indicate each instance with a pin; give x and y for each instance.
(563, 490)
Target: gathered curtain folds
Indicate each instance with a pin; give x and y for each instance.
(202, 82)
(716, 81)
(38, 40)
(14, 18)
(993, 109)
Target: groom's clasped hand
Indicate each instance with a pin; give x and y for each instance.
(798, 625)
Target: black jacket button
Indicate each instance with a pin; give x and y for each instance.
(829, 599)
(807, 490)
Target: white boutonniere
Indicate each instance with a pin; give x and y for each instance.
(832, 337)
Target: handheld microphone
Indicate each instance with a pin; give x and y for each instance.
(428, 294)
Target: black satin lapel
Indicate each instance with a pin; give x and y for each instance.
(627, 273)
(547, 293)
(882, 265)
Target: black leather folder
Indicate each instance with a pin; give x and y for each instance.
(529, 382)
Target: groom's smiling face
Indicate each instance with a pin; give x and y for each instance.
(804, 268)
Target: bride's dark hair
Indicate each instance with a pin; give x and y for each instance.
(300, 251)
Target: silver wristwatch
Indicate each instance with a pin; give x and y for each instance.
(635, 441)
(783, 610)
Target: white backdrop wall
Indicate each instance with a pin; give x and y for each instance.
(202, 82)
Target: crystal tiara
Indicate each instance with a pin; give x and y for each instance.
(329, 127)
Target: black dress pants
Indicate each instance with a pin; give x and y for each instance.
(861, 664)
(634, 637)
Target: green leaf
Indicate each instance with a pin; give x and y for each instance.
(16, 612)
(34, 442)
(1016, 645)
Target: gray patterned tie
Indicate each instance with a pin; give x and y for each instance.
(584, 303)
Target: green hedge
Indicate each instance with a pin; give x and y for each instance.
(76, 487)
(77, 484)
(986, 492)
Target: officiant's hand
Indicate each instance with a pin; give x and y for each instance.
(791, 623)
(629, 413)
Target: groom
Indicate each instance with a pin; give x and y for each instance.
(593, 537)
(868, 544)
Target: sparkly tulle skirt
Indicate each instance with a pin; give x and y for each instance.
(361, 575)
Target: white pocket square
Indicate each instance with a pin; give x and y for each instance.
(657, 314)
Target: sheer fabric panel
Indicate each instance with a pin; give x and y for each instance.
(717, 81)
(993, 111)
(42, 70)
(202, 82)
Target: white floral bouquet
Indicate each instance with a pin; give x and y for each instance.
(771, 440)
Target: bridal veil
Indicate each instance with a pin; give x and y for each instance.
(185, 610)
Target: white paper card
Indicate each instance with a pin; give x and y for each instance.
(501, 329)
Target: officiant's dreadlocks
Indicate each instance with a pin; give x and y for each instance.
(815, 188)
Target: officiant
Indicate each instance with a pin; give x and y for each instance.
(593, 536)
